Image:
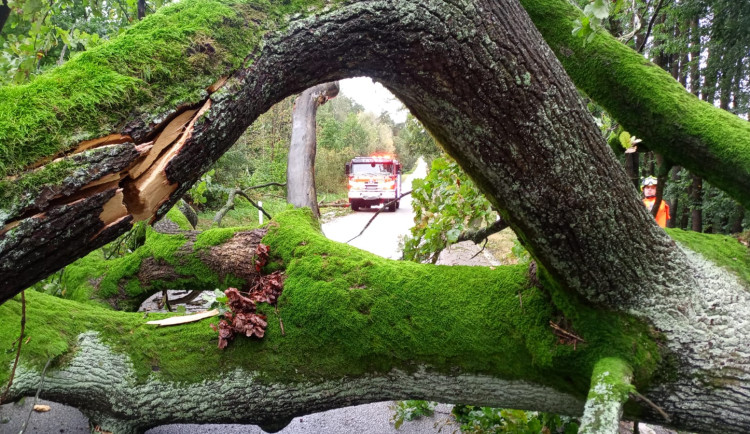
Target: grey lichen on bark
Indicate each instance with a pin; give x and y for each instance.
(610, 386)
(103, 384)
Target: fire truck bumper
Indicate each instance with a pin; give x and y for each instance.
(372, 196)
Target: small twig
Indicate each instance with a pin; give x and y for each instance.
(230, 204)
(281, 323)
(565, 332)
(266, 185)
(650, 25)
(376, 214)
(36, 397)
(481, 234)
(20, 342)
(255, 204)
(481, 250)
(520, 299)
(654, 406)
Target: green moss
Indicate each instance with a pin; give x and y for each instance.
(723, 250)
(163, 61)
(216, 236)
(607, 334)
(115, 281)
(647, 101)
(176, 216)
(615, 374)
(359, 313)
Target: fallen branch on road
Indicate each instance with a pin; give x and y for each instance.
(376, 214)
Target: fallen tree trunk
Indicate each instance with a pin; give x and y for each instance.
(480, 78)
(370, 321)
(467, 334)
(164, 150)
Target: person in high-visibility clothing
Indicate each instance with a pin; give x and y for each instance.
(649, 197)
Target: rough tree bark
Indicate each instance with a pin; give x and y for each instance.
(300, 170)
(478, 75)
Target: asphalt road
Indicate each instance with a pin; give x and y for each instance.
(384, 233)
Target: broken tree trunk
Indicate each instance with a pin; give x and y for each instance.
(477, 74)
(38, 191)
(380, 329)
(300, 170)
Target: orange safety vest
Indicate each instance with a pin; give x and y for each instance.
(663, 215)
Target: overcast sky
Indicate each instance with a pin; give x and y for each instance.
(373, 97)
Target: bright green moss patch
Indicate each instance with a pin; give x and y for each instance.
(615, 374)
(723, 250)
(117, 281)
(358, 313)
(163, 61)
(216, 236)
(176, 216)
(607, 334)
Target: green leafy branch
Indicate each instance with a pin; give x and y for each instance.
(446, 204)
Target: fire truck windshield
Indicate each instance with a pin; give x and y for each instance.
(372, 168)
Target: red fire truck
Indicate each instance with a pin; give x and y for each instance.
(374, 180)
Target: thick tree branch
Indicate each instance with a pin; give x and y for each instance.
(4, 14)
(648, 102)
(480, 235)
(610, 388)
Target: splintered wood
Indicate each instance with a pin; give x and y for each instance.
(142, 187)
(153, 187)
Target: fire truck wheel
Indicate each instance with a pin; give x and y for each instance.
(392, 207)
(355, 206)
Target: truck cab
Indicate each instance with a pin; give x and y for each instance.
(374, 180)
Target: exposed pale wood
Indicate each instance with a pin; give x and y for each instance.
(112, 139)
(152, 188)
(171, 132)
(111, 225)
(112, 177)
(144, 147)
(217, 85)
(176, 320)
(9, 226)
(114, 209)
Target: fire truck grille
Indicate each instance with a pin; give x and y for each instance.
(371, 187)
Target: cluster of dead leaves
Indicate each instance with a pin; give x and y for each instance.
(242, 316)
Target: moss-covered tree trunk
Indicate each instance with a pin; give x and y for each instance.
(480, 77)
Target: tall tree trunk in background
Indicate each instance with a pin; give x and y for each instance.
(141, 9)
(300, 171)
(672, 222)
(633, 168)
(4, 14)
(695, 51)
(685, 215)
(737, 223)
(696, 200)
